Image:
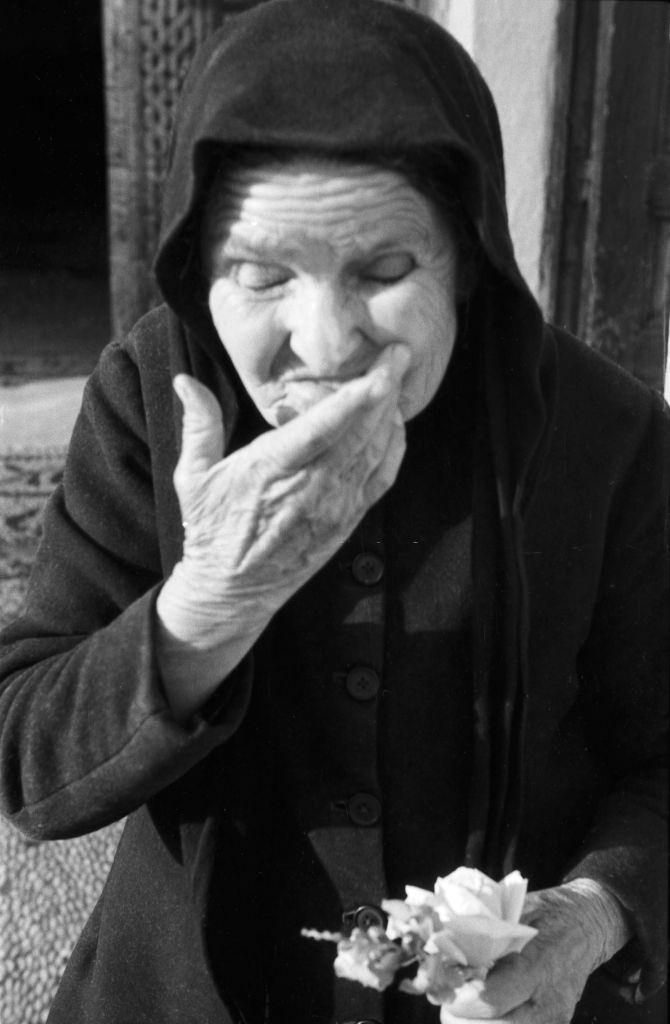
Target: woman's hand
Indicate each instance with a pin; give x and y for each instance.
(260, 522)
(580, 926)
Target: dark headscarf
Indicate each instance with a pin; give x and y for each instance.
(360, 77)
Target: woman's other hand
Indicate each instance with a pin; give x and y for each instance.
(580, 926)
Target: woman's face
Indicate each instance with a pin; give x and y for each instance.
(313, 267)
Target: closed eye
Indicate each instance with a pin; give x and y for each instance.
(389, 268)
(258, 277)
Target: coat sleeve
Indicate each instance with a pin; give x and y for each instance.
(86, 734)
(624, 669)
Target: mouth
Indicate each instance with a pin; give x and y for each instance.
(298, 394)
(284, 414)
(326, 381)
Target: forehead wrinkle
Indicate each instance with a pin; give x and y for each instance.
(278, 199)
(281, 202)
(290, 231)
(256, 238)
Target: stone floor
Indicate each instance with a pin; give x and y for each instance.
(39, 415)
(53, 324)
(47, 890)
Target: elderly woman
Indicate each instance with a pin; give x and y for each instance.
(401, 608)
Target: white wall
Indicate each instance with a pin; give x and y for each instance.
(514, 43)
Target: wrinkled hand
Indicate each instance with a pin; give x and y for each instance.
(579, 927)
(261, 521)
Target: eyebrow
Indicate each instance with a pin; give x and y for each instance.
(238, 245)
(241, 246)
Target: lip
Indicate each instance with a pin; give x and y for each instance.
(334, 381)
(298, 394)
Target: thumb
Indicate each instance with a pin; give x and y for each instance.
(202, 427)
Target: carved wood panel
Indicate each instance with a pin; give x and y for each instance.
(149, 45)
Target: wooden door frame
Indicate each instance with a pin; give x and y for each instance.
(611, 266)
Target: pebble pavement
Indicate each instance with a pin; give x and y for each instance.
(47, 890)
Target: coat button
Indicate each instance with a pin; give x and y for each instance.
(366, 916)
(364, 809)
(367, 568)
(362, 683)
(369, 917)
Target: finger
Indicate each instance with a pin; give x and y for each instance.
(497, 995)
(525, 1014)
(202, 427)
(306, 437)
(383, 475)
(363, 444)
(511, 982)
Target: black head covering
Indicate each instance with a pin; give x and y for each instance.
(355, 77)
(340, 76)
(347, 76)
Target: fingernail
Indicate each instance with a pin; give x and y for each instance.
(380, 383)
(179, 383)
(400, 358)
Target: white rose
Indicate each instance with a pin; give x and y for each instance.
(367, 957)
(453, 934)
(469, 921)
(467, 891)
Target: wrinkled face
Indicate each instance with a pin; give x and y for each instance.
(313, 267)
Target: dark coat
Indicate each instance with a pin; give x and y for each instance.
(569, 624)
(87, 736)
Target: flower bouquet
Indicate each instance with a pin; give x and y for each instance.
(451, 935)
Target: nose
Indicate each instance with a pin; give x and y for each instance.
(326, 331)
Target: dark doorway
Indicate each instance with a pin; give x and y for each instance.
(54, 305)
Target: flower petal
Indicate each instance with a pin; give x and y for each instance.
(368, 957)
(469, 891)
(443, 943)
(513, 893)
(419, 897)
(483, 940)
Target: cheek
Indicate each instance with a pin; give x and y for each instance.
(423, 317)
(246, 331)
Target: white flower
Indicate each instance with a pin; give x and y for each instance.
(368, 957)
(436, 979)
(416, 919)
(467, 891)
(479, 917)
(454, 934)
(464, 926)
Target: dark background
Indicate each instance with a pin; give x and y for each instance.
(54, 302)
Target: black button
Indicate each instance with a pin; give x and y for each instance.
(362, 683)
(364, 809)
(366, 916)
(367, 568)
(369, 917)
